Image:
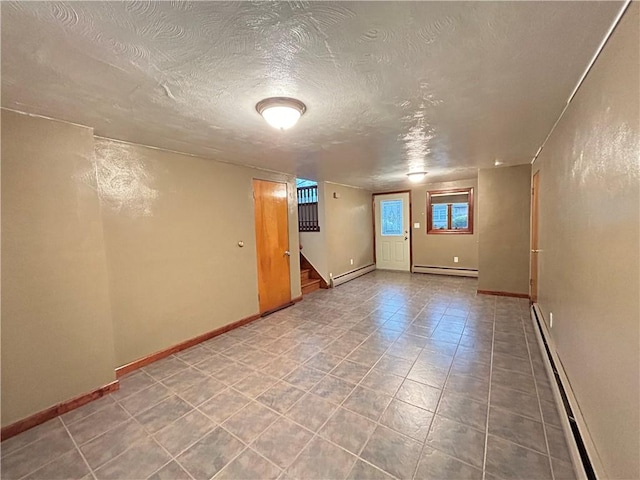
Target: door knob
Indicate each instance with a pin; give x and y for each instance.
(406, 238)
(287, 253)
(535, 251)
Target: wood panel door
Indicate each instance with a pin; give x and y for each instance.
(533, 293)
(272, 244)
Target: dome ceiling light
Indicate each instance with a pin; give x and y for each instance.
(281, 112)
(415, 177)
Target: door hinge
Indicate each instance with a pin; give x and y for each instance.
(531, 281)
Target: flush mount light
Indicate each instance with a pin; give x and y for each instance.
(281, 112)
(416, 176)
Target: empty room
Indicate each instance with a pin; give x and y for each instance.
(320, 240)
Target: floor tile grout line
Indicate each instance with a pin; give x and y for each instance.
(112, 459)
(316, 434)
(87, 417)
(444, 385)
(148, 407)
(147, 433)
(75, 446)
(113, 401)
(173, 422)
(109, 429)
(36, 439)
(408, 321)
(84, 459)
(171, 460)
(486, 431)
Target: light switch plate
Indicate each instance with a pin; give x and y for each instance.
(416, 225)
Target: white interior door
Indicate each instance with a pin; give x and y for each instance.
(393, 232)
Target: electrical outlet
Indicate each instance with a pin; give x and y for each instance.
(351, 261)
(550, 320)
(455, 259)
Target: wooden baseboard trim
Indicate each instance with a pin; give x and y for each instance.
(52, 412)
(502, 294)
(297, 299)
(141, 362)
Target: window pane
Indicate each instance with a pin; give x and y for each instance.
(439, 216)
(460, 216)
(391, 215)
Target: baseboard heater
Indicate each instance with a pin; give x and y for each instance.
(581, 447)
(458, 272)
(345, 277)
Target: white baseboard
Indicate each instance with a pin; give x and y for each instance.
(542, 335)
(458, 272)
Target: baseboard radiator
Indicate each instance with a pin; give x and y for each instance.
(583, 454)
(345, 277)
(458, 272)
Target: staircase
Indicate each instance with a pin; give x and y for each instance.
(308, 284)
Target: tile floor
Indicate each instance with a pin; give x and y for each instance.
(389, 376)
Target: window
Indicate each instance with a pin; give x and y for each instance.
(391, 214)
(307, 206)
(450, 211)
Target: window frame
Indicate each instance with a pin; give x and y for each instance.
(449, 231)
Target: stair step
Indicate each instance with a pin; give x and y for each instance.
(304, 274)
(310, 285)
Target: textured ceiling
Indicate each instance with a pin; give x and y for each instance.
(447, 87)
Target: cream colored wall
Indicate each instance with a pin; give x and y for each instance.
(57, 339)
(349, 228)
(503, 229)
(172, 224)
(314, 244)
(589, 237)
(439, 250)
(114, 251)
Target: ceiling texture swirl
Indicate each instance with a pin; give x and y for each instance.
(390, 87)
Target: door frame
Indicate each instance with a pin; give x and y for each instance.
(373, 219)
(534, 258)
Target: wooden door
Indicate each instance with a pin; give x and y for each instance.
(272, 244)
(392, 232)
(534, 239)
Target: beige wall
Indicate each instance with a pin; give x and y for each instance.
(114, 251)
(314, 244)
(57, 339)
(349, 228)
(589, 237)
(172, 224)
(439, 250)
(503, 229)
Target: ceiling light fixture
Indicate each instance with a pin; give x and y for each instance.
(416, 176)
(281, 112)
